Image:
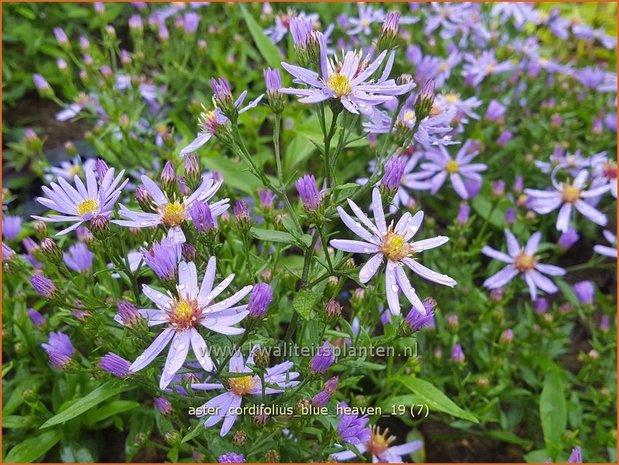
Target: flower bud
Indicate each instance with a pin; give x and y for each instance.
(239, 438)
(163, 405)
(507, 336)
(309, 193)
(99, 226)
(323, 359)
(242, 215)
(128, 313)
(42, 86)
(192, 170)
(333, 310)
(457, 355)
(259, 300)
(585, 292)
(115, 365)
(261, 358)
(273, 82)
(463, 213)
(50, 250)
(202, 217)
(144, 199)
(425, 101)
(389, 32)
(44, 286)
(394, 170)
(271, 456)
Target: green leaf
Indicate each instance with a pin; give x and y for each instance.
(271, 235)
(15, 422)
(428, 394)
(267, 48)
(236, 176)
(567, 291)
(196, 430)
(102, 393)
(113, 408)
(305, 300)
(33, 448)
(553, 413)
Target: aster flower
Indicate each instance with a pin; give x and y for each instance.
(284, 23)
(353, 429)
(163, 258)
(605, 250)
(522, 260)
(323, 359)
(82, 202)
(440, 164)
(44, 286)
(394, 244)
(479, 67)
(379, 446)
(432, 67)
(464, 109)
(11, 227)
(309, 193)
(8, 254)
(183, 313)
(59, 349)
(259, 300)
(211, 121)
(231, 457)
(520, 13)
(348, 81)
(277, 378)
(566, 196)
(172, 212)
(79, 257)
(431, 130)
(115, 365)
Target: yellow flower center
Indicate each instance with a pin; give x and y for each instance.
(490, 68)
(379, 442)
(173, 214)
(394, 246)
(452, 97)
(570, 194)
(409, 116)
(525, 262)
(452, 167)
(339, 84)
(75, 169)
(443, 66)
(88, 206)
(185, 313)
(242, 385)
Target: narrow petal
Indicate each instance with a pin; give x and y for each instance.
(379, 213)
(355, 227)
(427, 244)
(563, 218)
(198, 142)
(533, 243)
(155, 192)
(391, 288)
(513, 247)
(500, 256)
(501, 278)
(200, 349)
(591, 213)
(458, 185)
(370, 268)
(176, 357)
(153, 350)
(544, 283)
(157, 297)
(550, 269)
(532, 286)
(207, 281)
(408, 290)
(351, 246)
(429, 274)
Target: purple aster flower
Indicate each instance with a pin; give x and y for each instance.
(163, 405)
(520, 13)
(605, 250)
(457, 354)
(259, 300)
(394, 170)
(43, 285)
(193, 306)
(522, 260)
(353, 429)
(79, 257)
(163, 258)
(128, 314)
(439, 165)
(267, 199)
(585, 291)
(368, 15)
(323, 359)
(37, 319)
(309, 193)
(273, 81)
(277, 379)
(566, 196)
(379, 446)
(321, 399)
(464, 109)
(428, 67)
(172, 212)
(575, 456)
(242, 215)
(190, 22)
(417, 321)
(115, 365)
(479, 67)
(349, 82)
(231, 457)
(504, 137)
(59, 349)
(541, 305)
(11, 227)
(201, 216)
(82, 202)
(210, 122)
(41, 84)
(568, 239)
(463, 213)
(495, 112)
(393, 243)
(296, 24)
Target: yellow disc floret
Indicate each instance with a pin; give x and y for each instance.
(242, 385)
(394, 246)
(452, 166)
(185, 313)
(339, 84)
(173, 214)
(379, 442)
(525, 262)
(570, 194)
(88, 206)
